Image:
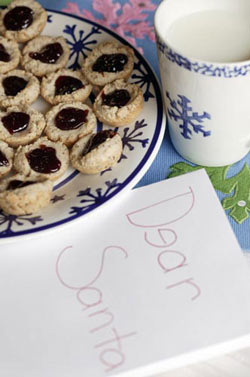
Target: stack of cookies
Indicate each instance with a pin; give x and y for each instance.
(35, 148)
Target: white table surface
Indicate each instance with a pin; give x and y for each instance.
(236, 364)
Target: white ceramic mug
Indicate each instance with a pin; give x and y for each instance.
(207, 102)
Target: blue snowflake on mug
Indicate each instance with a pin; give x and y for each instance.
(190, 121)
(79, 45)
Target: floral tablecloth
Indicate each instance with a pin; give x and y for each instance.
(133, 20)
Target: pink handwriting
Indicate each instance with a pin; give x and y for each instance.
(152, 218)
(90, 297)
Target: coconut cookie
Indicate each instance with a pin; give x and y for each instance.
(69, 122)
(118, 103)
(22, 20)
(18, 87)
(20, 195)
(6, 158)
(97, 152)
(107, 62)
(20, 125)
(65, 86)
(45, 54)
(42, 158)
(9, 55)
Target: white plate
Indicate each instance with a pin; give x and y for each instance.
(76, 195)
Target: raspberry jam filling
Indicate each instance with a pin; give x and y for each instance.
(98, 139)
(18, 18)
(3, 160)
(119, 98)
(71, 118)
(43, 160)
(4, 55)
(49, 54)
(67, 85)
(110, 63)
(16, 122)
(16, 183)
(13, 85)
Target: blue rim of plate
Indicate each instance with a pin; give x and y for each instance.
(159, 131)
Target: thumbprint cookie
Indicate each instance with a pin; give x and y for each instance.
(97, 152)
(118, 103)
(69, 122)
(42, 158)
(20, 125)
(107, 62)
(21, 195)
(22, 20)
(9, 55)
(6, 158)
(18, 87)
(44, 54)
(65, 86)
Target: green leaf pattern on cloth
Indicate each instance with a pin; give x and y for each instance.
(4, 2)
(238, 186)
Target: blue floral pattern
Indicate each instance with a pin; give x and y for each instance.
(226, 71)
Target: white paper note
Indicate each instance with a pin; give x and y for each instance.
(147, 285)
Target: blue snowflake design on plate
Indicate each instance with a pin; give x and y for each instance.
(181, 110)
(7, 222)
(50, 19)
(81, 44)
(213, 70)
(142, 78)
(130, 138)
(93, 198)
(57, 198)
